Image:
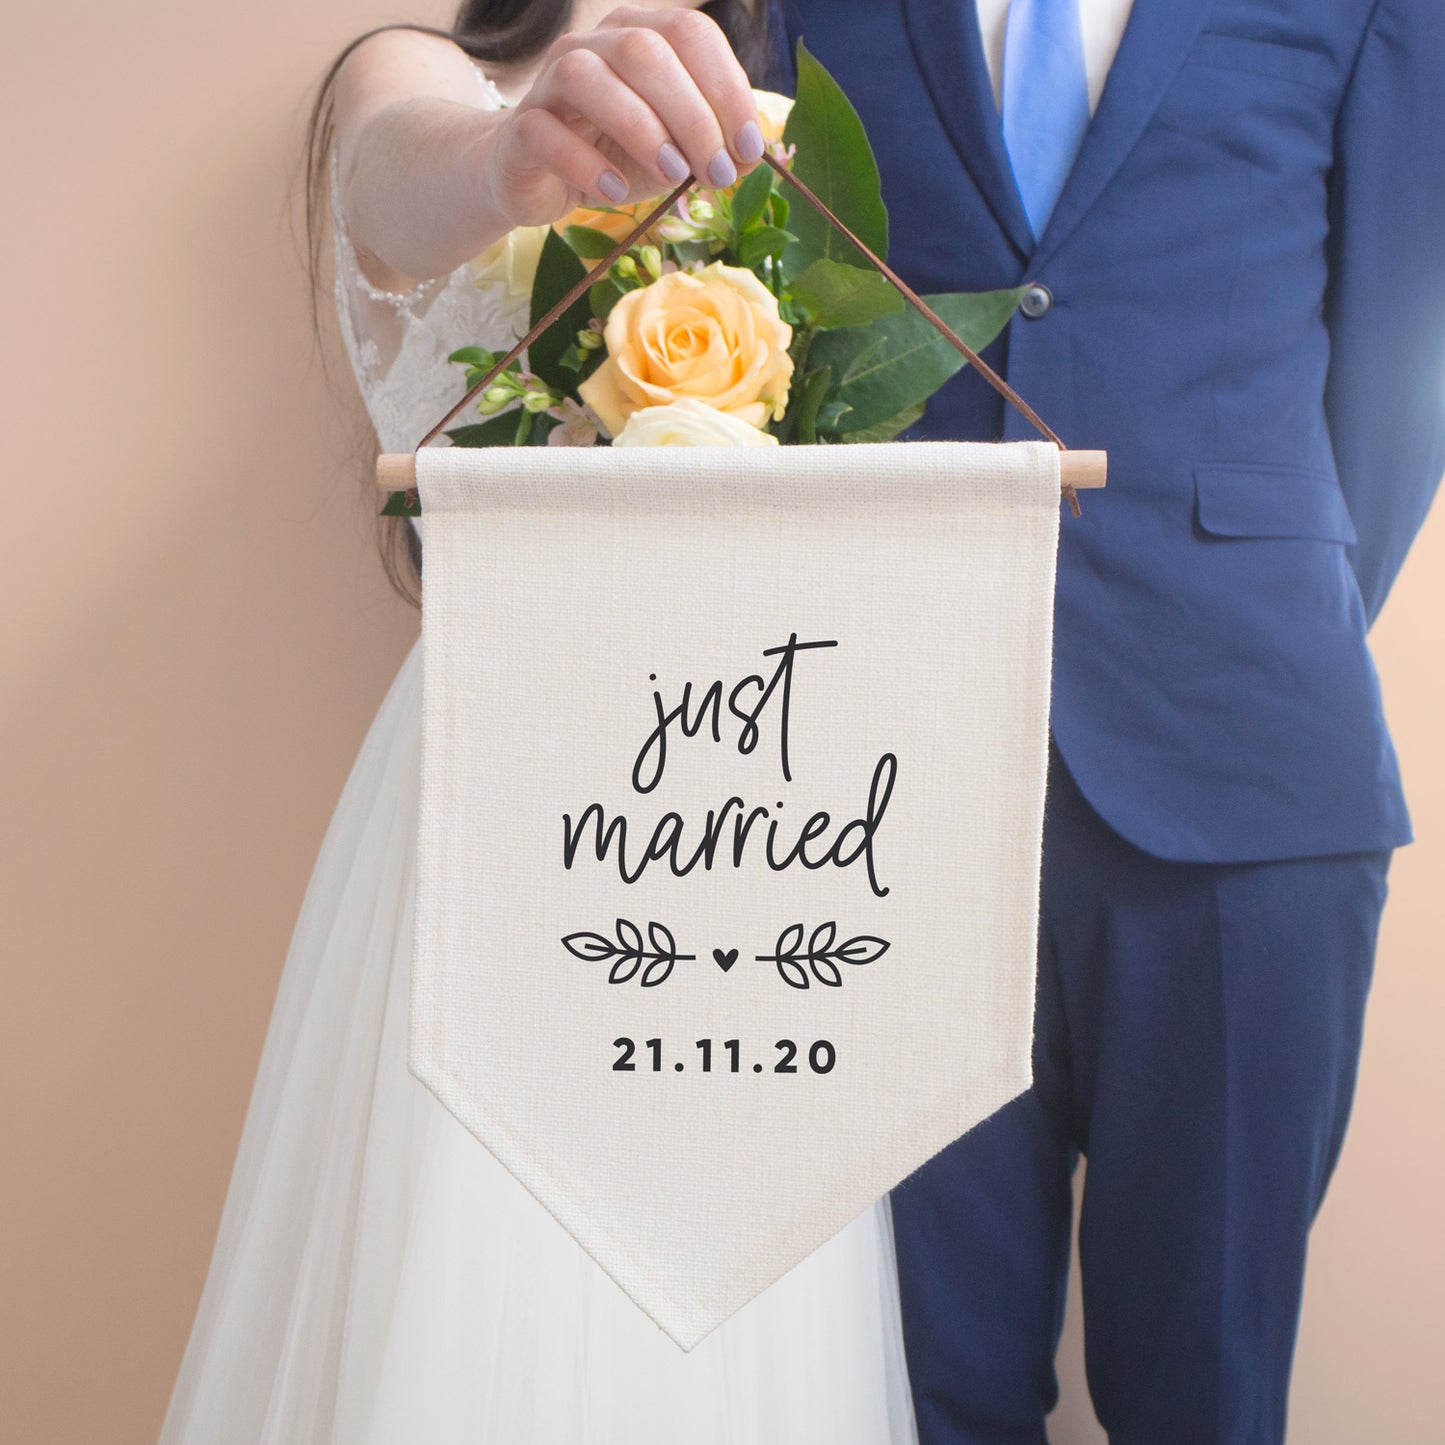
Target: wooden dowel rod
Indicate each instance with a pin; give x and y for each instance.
(396, 471)
(1083, 470)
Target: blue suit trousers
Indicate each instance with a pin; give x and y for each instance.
(1197, 1032)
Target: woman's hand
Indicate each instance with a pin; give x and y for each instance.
(624, 112)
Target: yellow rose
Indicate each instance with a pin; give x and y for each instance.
(688, 422)
(510, 260)
(615, 222)
(713, 334)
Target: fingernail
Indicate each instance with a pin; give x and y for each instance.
(612, 186)
(721, 171)
(749, 143)
(671, 163)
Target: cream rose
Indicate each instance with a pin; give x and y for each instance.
(688, 422)
(714, 335)
(772, 113)
(510, 260)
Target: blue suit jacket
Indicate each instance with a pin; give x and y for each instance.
(1248, 271)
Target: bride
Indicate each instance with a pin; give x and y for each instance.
(378, 1278)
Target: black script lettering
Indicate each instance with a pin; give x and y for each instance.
(657, 738)
(785, 670)
(868, 825)
(651, 761)
(609, 839)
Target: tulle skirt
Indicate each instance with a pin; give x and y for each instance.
(379, 1279)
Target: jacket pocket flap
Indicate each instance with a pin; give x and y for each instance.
(1262, 57)
(1247, 499)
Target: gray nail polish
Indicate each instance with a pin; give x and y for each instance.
(671, 163)
(749, 143)
(721, 171)
(612, 186)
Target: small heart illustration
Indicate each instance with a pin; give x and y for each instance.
(725, 960)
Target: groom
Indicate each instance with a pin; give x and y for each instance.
(1236, 284)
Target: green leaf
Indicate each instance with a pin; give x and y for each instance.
(476, 373)
(496, 431)
(588, 242)
(885, 431)
(396, 506)
(836, 296)
(558, 270)
(764, 241)
(477, 357)
(901, 360)
(751, 198)
(604, 295)
(835, 160)
(815, 388)
(479, 362)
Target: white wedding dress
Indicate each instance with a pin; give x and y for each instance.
(378, 1278)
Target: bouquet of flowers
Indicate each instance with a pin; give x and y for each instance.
(737, 318)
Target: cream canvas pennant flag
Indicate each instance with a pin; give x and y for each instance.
(728, 852)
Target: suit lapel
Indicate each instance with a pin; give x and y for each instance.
(948, 47)
(1155, 41)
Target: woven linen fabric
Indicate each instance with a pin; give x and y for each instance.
(732, 784)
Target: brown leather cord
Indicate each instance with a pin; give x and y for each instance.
(923, 308)
(806, 191)
(589, 280)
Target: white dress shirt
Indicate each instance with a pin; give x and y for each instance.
(1102, 22)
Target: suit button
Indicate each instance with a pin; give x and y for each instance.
(1037, 300)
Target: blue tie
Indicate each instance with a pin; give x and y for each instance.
(1045, 100)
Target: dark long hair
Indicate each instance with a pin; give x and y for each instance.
(500, 31)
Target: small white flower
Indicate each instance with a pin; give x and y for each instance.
(578, 425)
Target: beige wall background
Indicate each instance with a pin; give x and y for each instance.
(196, 635)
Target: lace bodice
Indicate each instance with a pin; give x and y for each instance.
(398, 341)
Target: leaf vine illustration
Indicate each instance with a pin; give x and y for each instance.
(654, 959)
(822, 954)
